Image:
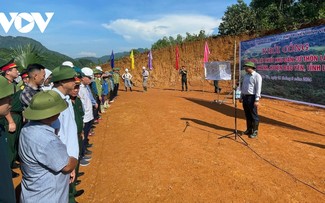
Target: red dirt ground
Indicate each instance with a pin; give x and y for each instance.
(143, 151)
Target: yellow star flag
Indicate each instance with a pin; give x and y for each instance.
(132, 59)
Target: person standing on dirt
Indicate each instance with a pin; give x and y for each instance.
(250, 97)
(183, 73)
(13, 121)
(145, 76)
(7, 191)
(45, 162)
(127, 80)
(217, 89)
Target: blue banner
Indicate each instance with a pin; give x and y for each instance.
(292, 64)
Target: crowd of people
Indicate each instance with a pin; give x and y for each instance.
(46, 120)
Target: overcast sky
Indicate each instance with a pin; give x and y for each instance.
(96, 27)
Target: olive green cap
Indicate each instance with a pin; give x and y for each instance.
(6, 88)
(44, 105)
(96, 71)
(63, 73)
(250, 64)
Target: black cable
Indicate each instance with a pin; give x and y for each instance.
(288, 173)
(269, 162)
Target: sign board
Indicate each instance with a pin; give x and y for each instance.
(217, 70)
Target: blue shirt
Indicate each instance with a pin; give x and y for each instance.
(105, 87)
(68, 132)
(43, 156)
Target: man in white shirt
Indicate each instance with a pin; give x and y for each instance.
(127, 80)
(250, 97)
(84, 94)
(63, 78)
(145, 76)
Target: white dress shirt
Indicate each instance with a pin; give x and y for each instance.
(86, 103)
(252, 85)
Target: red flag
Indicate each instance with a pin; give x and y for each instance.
(206, 53)
(177, 58)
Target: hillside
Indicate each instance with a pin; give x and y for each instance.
(191, 56)
(51, 59)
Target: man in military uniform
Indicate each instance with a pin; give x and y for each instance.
(7, 192)
(13, 121)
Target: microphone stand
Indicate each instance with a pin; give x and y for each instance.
(235, 131)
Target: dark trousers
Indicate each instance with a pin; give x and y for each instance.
(184, 83)
(111, 95)
(86, 129)
(7, 191)
(115, 89)
(251, 114)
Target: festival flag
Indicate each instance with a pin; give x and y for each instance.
(177, 58)
(150, 60)
(206, 53)
(112, 59)
(132, 59)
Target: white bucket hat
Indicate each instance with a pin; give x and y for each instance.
(68, 63)
(87, 72)
(99, 68)
(143, 67)
(126, 70)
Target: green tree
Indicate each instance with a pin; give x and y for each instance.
(25, 55)
(238, 18)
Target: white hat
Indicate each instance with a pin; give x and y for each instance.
(99, 68)
(87, 72)
(126, 70)
(143, 67)
(68, 63)
(47, 73)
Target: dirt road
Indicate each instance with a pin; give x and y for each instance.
(143, 152)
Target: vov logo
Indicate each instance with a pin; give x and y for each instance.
(30, 18)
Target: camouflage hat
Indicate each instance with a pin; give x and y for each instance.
(63, 73)
(7, 88)
(44, 105)
(250, 64)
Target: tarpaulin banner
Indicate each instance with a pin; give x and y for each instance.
(292, 64)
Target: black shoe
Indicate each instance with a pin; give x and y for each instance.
(89, 145)
(78, 193)
(14, 174)
(247, 132)
(78, 182)
(81, 174)
(88, 152)
(15, 165)
(254, 134)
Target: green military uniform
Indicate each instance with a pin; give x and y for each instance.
(7, 192)
(78, 113)
(13, 137)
